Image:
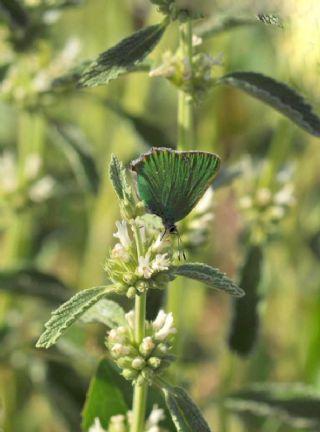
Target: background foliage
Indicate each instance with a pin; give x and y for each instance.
(57, 213)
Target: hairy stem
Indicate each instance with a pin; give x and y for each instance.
(185, 142)
(140, 390)
(185, 109)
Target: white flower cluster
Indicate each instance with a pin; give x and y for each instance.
(265, 207)
(132, 273)
(142, 362)
(122, 423)
(39, 188)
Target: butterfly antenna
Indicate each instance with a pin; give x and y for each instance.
(164, 233)
(180, 248)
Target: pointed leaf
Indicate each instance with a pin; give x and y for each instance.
(278, 95)
(185, 413)
(150, 133)
(123, 57)
(117, 176)
(210, 276)
(68, 313)
(105, 397)
(294, 404)
(222, 22)
(245, 321)
(32, 282)
(73, 144)
(106, 312)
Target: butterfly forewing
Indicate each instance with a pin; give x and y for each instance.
(172, 182)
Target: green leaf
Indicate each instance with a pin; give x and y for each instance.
(150, 133)
(32, 282)
(294, 404)
(220, 23)
(210, 276)
(245, 321)
(123, 57)
(184, 412)
(278, 95)
(117, 175)
(77, 151)
(68, 313)
(105, 397)
(106, 312)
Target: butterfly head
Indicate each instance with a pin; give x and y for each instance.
(170, 228)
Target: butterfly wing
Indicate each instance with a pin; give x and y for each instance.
(172, 182)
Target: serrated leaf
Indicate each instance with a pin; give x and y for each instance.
(184, 412)
(210, 276)
(105, 397)
(117, 174)
(278, 95)
(68, 313)
(33, 282)
(293, 404)
(150, 133)
(106, 312)
(123, 57)
(220, 23)
(245, 321)
(270, 19)
(72, 142)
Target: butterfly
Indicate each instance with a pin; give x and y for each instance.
(171, 182)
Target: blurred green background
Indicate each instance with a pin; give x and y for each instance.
(57, 212)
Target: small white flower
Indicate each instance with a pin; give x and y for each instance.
(245, 202)
(119, 350)
(157, 243)
(196, 40)
(144, 267)
(120, 252)
(160, 320)
(147, 344)
(156, 415)
(8, 170)
(161, 262)
(130, 318)
(285, 196)
(33, 165)
(264, 196)
(122, 234)
(42, 189)
(163, 325)
(117, 423)
(96, 427)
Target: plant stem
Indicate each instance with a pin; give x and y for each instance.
(140, 390)
(185, 111)
(185, 142)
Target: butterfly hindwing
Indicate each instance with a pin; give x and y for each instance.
(172, 182)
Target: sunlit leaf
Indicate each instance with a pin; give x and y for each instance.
(69, 312)
(105, 397)
(293, 404)
(245, 321)
(123, 57)
(210, 276)
(106, 312)
(33, 282)
(77, 151)
(185, 413)
(278, 95)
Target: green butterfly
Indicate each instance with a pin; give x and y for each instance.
(171, 182)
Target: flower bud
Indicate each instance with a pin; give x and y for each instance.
(129, 278)
(124, 362)
(131, 292)
(146, 346)
(129, 374)
(142, 286)
(154, 362)
(138, 363)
